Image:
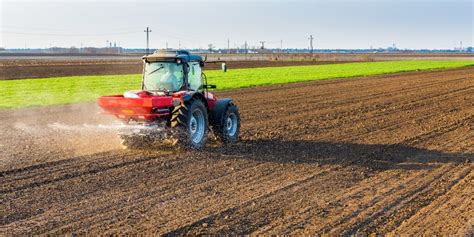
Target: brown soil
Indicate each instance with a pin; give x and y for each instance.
(385, 154)
(21, 66)
(40, 69)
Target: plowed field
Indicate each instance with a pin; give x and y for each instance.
(22, 69)
(381, 154)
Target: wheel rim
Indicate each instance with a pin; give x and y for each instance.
(231, 124)
(196, 126)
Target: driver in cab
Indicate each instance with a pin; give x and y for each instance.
(169, 81)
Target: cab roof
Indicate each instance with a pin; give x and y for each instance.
(171, 56)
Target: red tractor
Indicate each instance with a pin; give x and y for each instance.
(173, 105)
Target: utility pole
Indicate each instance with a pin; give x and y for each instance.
(281, 45)
(311, 38)
(166, 45)
(263, 44)
(147, 39)
(245, 47)
(228, 46)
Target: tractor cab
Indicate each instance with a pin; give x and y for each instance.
(172, 71)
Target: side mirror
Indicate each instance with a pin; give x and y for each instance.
(224, 67)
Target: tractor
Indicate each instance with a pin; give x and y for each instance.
(174, 105)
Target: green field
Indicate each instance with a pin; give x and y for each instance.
(67, 90)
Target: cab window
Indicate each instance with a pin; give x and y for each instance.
(194, 76)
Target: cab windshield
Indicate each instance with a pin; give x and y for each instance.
(163, 76)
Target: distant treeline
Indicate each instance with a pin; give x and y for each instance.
(120, 50)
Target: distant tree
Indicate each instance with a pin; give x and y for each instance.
(73, 50)
(2, 49)
(210, 47)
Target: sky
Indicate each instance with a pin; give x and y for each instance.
(348, 24)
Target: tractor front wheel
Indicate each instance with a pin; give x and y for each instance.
(228, 126)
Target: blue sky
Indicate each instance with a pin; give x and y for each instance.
(334, 24)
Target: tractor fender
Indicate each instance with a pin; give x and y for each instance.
(219, 109)
(195, 95)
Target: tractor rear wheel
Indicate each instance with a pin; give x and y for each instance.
(227, 127)
(191, 121)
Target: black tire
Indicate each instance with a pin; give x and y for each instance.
(192, 125)
(227, 127)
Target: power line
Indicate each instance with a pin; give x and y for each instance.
(74, 35)
(29, 28)
(33, 28)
